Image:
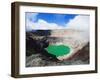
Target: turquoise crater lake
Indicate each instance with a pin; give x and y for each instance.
(58, 50)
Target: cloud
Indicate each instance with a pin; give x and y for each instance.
(29, 25)
(41, 25)
(30, 18)
(79, 23)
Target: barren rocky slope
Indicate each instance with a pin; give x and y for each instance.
(74, 38)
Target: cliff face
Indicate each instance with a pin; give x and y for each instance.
(36, 55)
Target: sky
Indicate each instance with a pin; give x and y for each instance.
(45, 21)
(60, 19)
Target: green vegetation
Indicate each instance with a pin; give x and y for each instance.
(58, 50)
